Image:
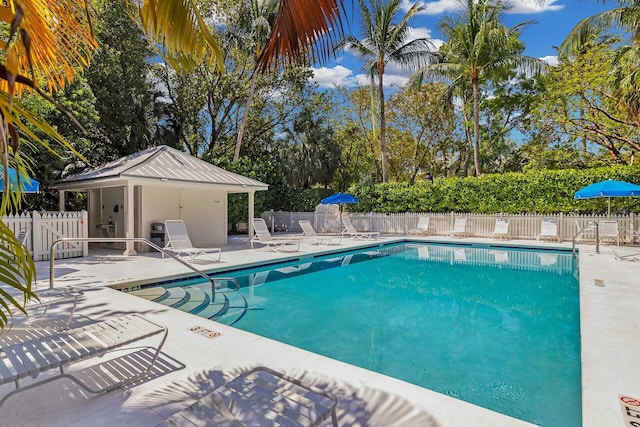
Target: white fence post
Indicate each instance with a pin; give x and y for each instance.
(36, 233)
(84, 232)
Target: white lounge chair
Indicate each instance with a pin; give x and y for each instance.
(459, 227)
(549, 229)
(260, 397)
(58, 350)
(501, 229)
(263, 236)
(608, 230)
(178, 242)
(350, 230)
(422, 229)
(310, 233)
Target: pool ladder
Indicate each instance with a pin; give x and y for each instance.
(589, 226)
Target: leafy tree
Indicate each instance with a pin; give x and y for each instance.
(422, 130)
(117, 76)
(384, 42)
(312, 152)
(254, 25)
(581, 100)
(479, 49)
(625, 65)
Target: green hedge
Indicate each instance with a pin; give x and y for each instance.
(543, 192)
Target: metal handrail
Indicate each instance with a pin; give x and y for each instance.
(591, 225)
(131, 239)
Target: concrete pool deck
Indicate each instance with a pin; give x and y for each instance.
(192, 365)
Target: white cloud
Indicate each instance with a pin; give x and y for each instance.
(551, 60)
(423, 32)
(532, 6)
(328, 77)
(389, 80)
(434, 7)
(438, 7)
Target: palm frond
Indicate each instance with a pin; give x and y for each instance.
(303, 29)
(49, 42)
(585, 30)
(179, 26)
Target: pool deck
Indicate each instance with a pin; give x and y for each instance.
(192, 365)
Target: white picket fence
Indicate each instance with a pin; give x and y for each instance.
(47, 227)
(523, 226)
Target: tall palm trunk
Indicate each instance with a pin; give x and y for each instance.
(383, 123)
(476, 126)
(245, 116)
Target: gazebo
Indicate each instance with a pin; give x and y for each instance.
(130, 196)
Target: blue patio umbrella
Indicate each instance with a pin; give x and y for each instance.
(609, 188)
(339, 199)
(23, 184)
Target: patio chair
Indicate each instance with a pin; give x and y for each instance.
(178, 242)
(549, 229)
(22, 236)
(422, 229)
(263, 236)
(459, 227)
(58, 350)
(260, 397)
(350, 230)
(608, 230)
(309, 232)
(501, 229)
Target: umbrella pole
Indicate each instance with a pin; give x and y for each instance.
(609, 210)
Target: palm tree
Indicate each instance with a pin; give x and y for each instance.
(385, 41)
(626, 65)
(478, 48)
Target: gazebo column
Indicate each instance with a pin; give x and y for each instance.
(251, 213)
(128, 220)
(61, 200)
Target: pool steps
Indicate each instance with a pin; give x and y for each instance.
(229, 307)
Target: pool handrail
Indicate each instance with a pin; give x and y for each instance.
(589, 226)
(131, 239)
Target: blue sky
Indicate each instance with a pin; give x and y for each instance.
(554, 19)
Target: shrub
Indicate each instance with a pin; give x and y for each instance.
(543, 192)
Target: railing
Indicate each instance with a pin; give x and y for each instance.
(138, 240)
(591, 226)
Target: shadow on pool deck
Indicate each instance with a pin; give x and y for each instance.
(361, 407)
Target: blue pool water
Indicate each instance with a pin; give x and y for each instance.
(495, 327)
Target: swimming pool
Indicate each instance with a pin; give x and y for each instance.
(497, 327)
